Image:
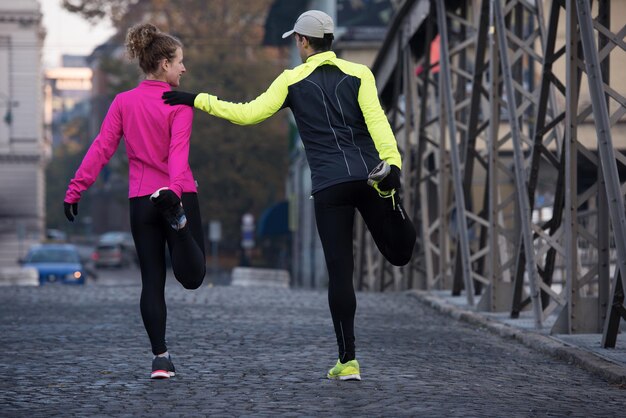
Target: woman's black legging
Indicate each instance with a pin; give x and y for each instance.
(393, 233)
(186, 247)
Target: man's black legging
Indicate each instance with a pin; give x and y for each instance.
(186, 247)
(393, 233)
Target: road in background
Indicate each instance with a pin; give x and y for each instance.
(83, 351)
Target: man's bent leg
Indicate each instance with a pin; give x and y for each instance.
(392, 229)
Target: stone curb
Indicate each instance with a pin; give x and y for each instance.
(614, 373)
(19, 276)
(247, 276)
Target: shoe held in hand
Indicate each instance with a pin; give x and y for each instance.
(170, 207)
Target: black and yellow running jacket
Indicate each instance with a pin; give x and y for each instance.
(335, 104)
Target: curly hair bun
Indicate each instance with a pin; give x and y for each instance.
(139, 37)
(149, 45)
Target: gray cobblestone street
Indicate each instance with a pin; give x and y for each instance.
(244, 351)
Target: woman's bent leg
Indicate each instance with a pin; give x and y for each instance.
(187, 246)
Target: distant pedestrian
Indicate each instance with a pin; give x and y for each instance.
(350, 146)
(160, 182)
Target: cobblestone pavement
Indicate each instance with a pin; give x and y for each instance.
(83, 351)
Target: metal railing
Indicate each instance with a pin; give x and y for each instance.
(499, 119)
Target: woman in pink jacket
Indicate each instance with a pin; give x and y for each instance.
(160, 181)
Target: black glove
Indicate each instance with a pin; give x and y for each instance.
(71, 210)
(173, 98)
(391, 181)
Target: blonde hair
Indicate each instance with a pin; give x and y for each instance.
(149, 45)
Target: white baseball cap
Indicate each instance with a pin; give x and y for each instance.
(313, 23)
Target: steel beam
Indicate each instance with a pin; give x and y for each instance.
(605, 142)
(545, 151)
(459, 196)
(525, 210)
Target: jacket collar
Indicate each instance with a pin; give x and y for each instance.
(321, 56)
(154, 83)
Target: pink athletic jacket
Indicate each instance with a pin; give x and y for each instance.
(157, 143)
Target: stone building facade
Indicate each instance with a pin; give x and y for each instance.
(23, 146)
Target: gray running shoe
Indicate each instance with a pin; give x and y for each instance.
(378, 174)
(162, 368)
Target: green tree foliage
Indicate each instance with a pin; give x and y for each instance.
(239, 169)
(94, 10)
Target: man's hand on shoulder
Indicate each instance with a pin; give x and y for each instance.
(173, 98)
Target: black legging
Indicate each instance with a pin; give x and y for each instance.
(151, 231)
(393, 233)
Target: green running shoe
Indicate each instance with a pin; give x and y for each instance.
(345, 371)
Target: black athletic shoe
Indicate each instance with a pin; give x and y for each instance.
(162, 368)
(170, 206)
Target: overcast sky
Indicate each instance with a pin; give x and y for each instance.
(68, 33)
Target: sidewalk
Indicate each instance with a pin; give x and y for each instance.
(584, 350)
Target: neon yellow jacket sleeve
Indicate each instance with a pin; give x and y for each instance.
(249, 113)
(376, 120)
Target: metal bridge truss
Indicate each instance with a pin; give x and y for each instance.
(486, 135)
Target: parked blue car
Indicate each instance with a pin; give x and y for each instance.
(56, 263)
